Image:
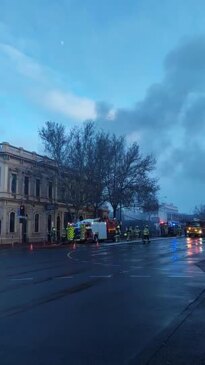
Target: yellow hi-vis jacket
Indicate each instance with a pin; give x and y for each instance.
(70, 233)
(146, 231)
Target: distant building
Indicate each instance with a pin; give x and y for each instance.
(168, 212)
(30, 204)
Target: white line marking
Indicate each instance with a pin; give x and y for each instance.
(19, 279)
(100, 276)
(100, 254)
(140, 276)
(180, 276)
(64, 277)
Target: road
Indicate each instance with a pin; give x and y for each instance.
(96, 304)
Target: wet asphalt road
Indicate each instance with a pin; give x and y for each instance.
(93, 304)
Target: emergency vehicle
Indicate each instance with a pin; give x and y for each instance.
(195, 228)
(92, 230)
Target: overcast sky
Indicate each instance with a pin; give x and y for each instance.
(137, 67)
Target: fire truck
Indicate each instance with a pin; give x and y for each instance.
(195, 228)
(93, 230)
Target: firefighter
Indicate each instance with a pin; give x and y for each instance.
(53, 234)
(137, 232)
(82, 232)
(70, 232)
(179, 231)
(131, 231)
(126, 234)
(118, 233)
(146, 234)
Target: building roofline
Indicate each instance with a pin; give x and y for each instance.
(20, 152)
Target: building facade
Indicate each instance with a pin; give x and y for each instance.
(30, 204)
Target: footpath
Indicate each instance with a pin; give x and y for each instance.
(182, 343)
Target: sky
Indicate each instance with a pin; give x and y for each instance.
(135, 67)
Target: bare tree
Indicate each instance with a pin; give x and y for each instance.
(199, 212)
(55, 141)
(95, 167)
(81, 159)
(128, 175)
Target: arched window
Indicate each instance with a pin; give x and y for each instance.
(12, 222)
(36, 222)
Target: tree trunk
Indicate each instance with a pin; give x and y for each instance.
(114, 211)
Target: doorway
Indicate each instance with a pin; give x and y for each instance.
(24, 230)
(58, 228)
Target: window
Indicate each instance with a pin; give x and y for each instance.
(36, 222)
(12, 222)
(13, 183)
(50, 190)
(26, 185)
(37, 188)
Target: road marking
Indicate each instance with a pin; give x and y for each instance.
(100, 276)
(140, 276)
(100, 254)
(180, 276)
(64, 277)
(19, 279)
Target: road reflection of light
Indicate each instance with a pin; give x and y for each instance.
(194, 246)
(174, 250)
(201, 249)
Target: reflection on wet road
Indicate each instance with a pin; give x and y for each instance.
(100, 304)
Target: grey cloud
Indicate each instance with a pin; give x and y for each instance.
(185, 56)
(194, 117)
(173, 108)
(171, 119)
(102, 110)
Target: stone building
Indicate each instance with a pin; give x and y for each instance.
(30, 206)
